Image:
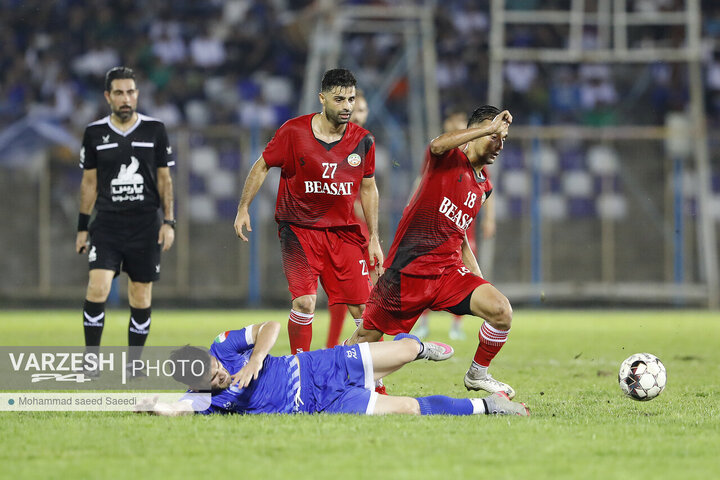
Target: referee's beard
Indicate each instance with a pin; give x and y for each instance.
(124, 113)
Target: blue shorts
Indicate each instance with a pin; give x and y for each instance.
(337, 380)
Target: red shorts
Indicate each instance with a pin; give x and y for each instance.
(309, 253)
(397, 300)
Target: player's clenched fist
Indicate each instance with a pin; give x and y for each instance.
(502, 121)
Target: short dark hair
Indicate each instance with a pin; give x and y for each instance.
(337, 77)
(486, 112)
(188, 355)
(116, 73)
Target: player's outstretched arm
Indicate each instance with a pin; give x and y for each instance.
(488, 224)
(469, 259)
(253, 182)
(369, 199)
(265, 335)
(165, 409)
(450, 140)
(88, 195)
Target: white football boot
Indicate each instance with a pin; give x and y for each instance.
(488, 384)
(499, 404)
(436, 351)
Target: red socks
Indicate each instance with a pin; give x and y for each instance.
(337, 318)
(300, 331)
(491, 341)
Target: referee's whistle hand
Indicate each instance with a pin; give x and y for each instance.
(166, 237)
(81, 243)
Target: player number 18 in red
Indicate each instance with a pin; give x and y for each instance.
(470, 200)
(463, 271)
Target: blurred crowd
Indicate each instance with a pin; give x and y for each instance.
(243, 61)
(589, 94)
(198, 62)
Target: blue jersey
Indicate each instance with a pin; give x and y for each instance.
(233, 349)
(338, 380)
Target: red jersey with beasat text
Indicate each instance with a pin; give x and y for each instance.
(319, 181)
(431, 231)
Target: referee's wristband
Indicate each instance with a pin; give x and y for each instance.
(170, 222)
(83, 221)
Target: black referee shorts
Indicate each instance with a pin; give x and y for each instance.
(127, 242)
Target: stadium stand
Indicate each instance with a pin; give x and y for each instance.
(227, 68)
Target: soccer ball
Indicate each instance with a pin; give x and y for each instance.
(642, 376)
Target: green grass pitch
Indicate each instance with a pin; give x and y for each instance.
(563, 364)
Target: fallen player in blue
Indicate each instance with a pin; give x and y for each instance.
(337, 380)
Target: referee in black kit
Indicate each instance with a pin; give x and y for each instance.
(125, 159)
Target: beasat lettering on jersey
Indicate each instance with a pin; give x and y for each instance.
(328, 188)
(221, 338)
(455, 214)
(319, 181)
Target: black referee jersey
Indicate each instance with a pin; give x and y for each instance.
(126, 163)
